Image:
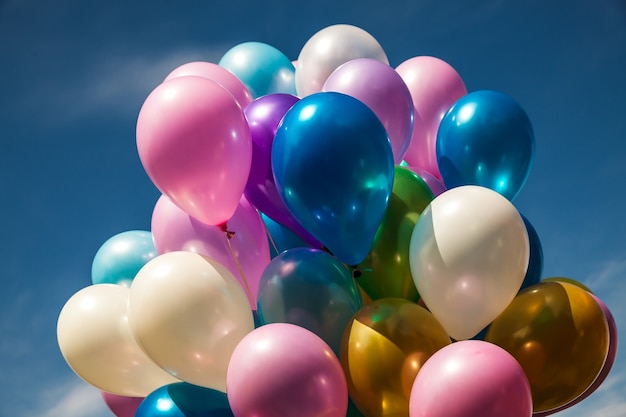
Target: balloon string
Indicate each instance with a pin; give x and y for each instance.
(229, 236)
(271, 239)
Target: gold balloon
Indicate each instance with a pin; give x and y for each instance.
(568, 281)
(382, 349)
(559, 335)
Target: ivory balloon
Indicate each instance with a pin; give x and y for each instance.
(468, 255)
(97, 343)
(188, 313)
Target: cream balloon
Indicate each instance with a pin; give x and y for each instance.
(188, 313)
(96, 342)
(328, 49)
(469, 253)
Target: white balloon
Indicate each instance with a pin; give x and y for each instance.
(188, 313)
(328, 49)
(469, 253)
(96, 342)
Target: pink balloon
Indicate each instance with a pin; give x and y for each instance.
(214, 72)
(121, 406)
(435, 184)
(243, 248)
(434, 87)
(285, 370)
(606, 368)
(194, 143)
(471, 378)
(382, 89)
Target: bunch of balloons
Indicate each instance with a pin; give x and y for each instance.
(335, 237)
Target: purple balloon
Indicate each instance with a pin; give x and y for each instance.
(282, 369)
(384, 91)
(121, 406)
(606, 368)
(264, 115)
(471, 378)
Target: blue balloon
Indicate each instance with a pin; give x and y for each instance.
(120, 258)
(535, 262)
(309, 288)
(333, 167)
(281, 238)
(262, 68)
(486, 139)
(181, 399)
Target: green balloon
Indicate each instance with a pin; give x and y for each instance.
(386, 271)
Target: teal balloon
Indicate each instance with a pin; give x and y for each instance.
(181, 399)
(281, 238)
(486, 139)
(535, 261)
(333, 167)
(119, 259)
(309, 288)
(262, 68)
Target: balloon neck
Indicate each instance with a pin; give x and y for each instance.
(224, 228)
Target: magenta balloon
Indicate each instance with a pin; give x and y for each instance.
(382, 89)
(606, 368)
(247, 247)
(121, 406)
(471, 378)
(435, 184)
(285, 370)
(214, 72)
(264, 115)
(194, 143)
(434, 87)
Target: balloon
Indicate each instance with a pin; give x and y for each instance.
(312, 289)
(280, 237)
(188, 313)
(120, 405)
(434, 183)
(264, 115)
(96, 342)
(262, 68)
(119, 259)
(486, 139)
(435, 86)
(535, 260)
(194, 143)
(184, 400)
(568, 281)
(471, 378)
(333, 168)
(214, 72)
(379, 86)
(559, 335)
(383, 349)
(241, 246)
(327, 49)
(386, 271)
(468, 255)
(606, 368)
(285, 370)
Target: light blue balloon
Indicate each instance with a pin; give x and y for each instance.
(309, 288)
(280, 237)
(181, 399)
(333, 167)
(262, 68)
(120, 258)
(486, 139)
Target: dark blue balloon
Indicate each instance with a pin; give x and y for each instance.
(535, 262)
(486, 139)
(280, 237)
(333, 167)
(184, 400)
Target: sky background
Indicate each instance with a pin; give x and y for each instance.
(74, 74)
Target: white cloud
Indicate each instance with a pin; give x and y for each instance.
(70, 399)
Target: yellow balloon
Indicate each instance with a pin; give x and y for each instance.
(383, 348)
(559, 335)
(568, 281)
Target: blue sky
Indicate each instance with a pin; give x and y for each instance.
(74, 76)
